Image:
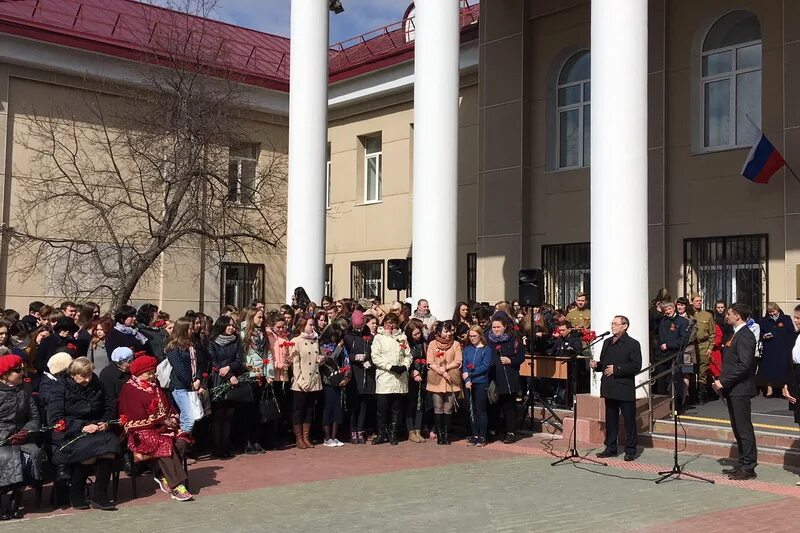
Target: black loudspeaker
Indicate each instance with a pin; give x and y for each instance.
(530, 287)
(398, 274)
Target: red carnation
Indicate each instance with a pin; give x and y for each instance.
(215, 369)
(265, 362)
(27, 380)
(499, 348)
(71, 346)
(123, 420)
(345, 369)
(60, 426)
(205, 375)
(516, 328)
(366, 338)
(470, 366)
(439, 353)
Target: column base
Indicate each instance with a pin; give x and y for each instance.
(591, 426)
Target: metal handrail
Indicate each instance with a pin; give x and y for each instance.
(650, 382)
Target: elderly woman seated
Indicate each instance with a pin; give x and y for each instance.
(81, 401)
(152, 427)
(20, 458)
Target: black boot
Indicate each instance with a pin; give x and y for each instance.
(382, 436)
(393, 428)
(445, 430)
(101, 481)
(439, 428)
(60, 494)
(77, 487)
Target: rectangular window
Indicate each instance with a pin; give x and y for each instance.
(328, 179)
(242, 173)
(566, 271)
(366, 279)
(733, 269)
(373, 168)
(329, 280)
(472, 277)
(242, 283)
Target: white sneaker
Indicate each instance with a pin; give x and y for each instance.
(338, 443)
(329, 443)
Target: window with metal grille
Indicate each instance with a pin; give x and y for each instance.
(366, 279)
(566, 270)
(242, 283)
(733, 269)
(242, 173)
(329, 280)
(472, 277)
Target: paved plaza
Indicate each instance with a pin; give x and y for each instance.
(424, 487)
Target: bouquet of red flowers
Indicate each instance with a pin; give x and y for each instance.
(588, 335)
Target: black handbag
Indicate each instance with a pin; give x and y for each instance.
(268, 407)
(241, 393)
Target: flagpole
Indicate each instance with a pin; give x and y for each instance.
(790, 169)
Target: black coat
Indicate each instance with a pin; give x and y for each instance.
(112, 379)
(572, 344)
(228, 355)
(363, 378)
(80, 406)
(672, 332)
(739, 364)
(156, 340)
(17, 411)
(116, 338)
(626, 357)
(506, 377)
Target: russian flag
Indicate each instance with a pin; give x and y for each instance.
(762, 162)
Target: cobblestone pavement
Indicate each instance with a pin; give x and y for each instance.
(424, 487)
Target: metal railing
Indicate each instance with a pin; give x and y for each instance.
(649, 390)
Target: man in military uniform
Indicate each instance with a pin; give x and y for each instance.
(581, 316)
(705, 345)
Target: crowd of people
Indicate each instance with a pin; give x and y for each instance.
(85, 393)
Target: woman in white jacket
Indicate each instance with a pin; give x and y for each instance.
(392, 359)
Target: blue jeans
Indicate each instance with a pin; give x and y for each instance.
(479, 403)
(181, 397)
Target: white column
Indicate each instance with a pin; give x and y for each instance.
(308, 138)
(619, 169)
(435, 196)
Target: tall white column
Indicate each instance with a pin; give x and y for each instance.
(619, 169)
(435, 195)
(308, 139)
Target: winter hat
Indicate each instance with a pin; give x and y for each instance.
(357, 319)
(9, 363)
(143, 364)
(122, 354)
(59, 362)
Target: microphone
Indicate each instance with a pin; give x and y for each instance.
(606, 334)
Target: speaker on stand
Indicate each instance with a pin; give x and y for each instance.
(397, 275)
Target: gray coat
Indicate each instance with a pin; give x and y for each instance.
(17, 411)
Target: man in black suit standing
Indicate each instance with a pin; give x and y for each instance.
(737, 385)
(620, 361)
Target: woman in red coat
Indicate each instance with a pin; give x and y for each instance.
(152, 426)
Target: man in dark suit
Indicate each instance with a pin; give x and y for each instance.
(620, 361)
(737, 385)
(671, 339)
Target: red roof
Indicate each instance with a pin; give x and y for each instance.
(139, 32)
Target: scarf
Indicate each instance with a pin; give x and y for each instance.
(224, 340)
(419, 315)
(310, 337)
(497, 338)
(143, 385)
(127, 330)
(444, 346)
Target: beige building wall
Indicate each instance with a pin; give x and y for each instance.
(183, 279)
(692, 193)
(359, 231)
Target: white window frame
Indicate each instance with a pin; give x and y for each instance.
(732, 76)
(580, 107)
(237, 199)
(378, 157)
(328, 179)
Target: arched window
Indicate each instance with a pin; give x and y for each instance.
(573, 111)
(731, 81)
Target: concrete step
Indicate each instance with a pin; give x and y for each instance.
(725, 449)
(774, 439)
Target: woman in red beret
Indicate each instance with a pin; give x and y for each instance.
(152, 427)
(20, 458)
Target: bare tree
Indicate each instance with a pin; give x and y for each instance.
(127, 172)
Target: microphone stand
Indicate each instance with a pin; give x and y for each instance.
(529, 404)
(677, 469)
(572, 455)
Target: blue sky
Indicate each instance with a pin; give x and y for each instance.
(360, 16)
